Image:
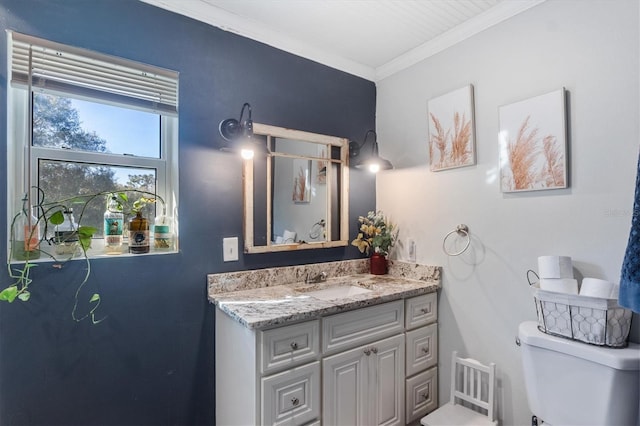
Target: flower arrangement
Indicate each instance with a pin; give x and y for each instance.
(377, 233)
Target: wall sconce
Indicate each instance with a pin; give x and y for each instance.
(240, 134)
(374, 162)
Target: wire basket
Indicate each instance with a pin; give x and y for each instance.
(590, 320)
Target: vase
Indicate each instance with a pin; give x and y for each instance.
(378, 264)
(138, 234)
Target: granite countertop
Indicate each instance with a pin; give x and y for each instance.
(266, 306)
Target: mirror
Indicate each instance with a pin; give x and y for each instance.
(296, 197)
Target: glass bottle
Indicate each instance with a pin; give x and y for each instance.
(113, 226)
(162, 234)
(66, 234)
(26, 245)
(138, 234)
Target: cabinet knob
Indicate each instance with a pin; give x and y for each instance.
(367, 352)
(425, 310)
(374, 350)
(295, 401)
(425, 349)
(294, 345)
(425, 395)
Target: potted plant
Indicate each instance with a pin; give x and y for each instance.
(43, 215)
(376, 236)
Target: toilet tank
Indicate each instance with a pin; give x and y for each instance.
(574, 383)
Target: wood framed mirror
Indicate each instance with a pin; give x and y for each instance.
(297, 196)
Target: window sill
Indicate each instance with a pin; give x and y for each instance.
(92, 253)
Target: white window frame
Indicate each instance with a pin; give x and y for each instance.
(166, 166)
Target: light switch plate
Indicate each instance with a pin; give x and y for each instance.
(230, 249)
(412, 250)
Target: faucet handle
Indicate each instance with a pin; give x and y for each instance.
(319, 278)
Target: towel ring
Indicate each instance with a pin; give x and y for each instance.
(463, 231)
(317, 229)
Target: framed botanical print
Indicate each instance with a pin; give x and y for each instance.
(451, 130)
(301, 181)
(533, 143)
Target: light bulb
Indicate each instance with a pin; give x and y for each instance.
(374, 167)
(247, 154)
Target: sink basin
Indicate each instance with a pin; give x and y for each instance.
(338, 292)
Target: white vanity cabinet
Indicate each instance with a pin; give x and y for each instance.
(374, 365)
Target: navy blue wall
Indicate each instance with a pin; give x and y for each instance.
(151, 362)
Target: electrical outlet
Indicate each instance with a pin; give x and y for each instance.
(412, 250)
(230, 249)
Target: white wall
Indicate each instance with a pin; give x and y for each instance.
(592, 49)
(288, 215)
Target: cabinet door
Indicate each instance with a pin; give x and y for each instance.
(291, 397)
(365, 386)
(387, 384)
(345, 383)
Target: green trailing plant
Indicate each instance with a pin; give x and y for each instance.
(140, 203)
(51, 214)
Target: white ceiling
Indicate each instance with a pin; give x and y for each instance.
(372, 39)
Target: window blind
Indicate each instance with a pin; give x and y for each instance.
(85, 73)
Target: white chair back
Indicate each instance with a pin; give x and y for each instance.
(474, 383)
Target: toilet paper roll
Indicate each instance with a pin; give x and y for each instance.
(560, 285)
(555, 267)
(594, 287)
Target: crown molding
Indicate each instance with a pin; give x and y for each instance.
(201, 11)
(502, 11)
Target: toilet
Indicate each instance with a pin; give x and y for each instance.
(574, 383)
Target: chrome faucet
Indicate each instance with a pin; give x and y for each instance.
(320, 278)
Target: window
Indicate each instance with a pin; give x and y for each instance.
(81, 123)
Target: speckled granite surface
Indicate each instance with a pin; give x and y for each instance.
(275, 296)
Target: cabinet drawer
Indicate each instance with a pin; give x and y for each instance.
(421, 310)
(422, 349)
(291, 397)
(288, 346)
(421, 394)
(361, 326)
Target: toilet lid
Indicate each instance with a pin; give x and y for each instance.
(619, 358)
